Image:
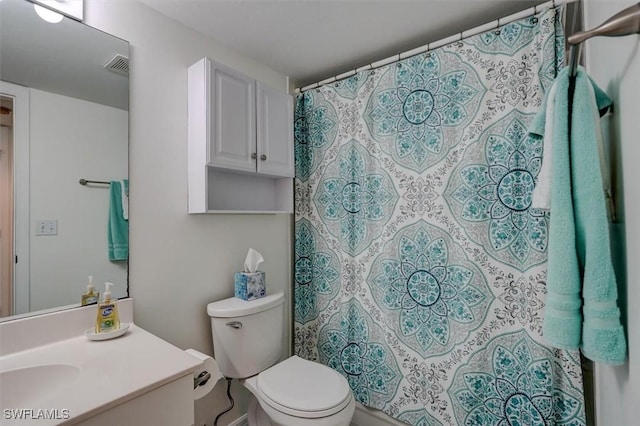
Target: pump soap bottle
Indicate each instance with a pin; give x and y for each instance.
(107, 318)
(91, 296)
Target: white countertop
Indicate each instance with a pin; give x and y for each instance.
(111, 372)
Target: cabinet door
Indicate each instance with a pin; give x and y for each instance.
(232, 132)
(275, 132)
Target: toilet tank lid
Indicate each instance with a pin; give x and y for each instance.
(234, 307)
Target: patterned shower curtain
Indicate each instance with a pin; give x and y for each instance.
(420, 266)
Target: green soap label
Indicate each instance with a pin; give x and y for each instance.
(107, 324)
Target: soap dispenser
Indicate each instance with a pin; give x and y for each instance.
(107, 318)
(91, 296)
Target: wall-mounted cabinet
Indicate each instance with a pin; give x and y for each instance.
(274, 132)
(240, 143)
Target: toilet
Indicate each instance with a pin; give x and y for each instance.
(248, 341)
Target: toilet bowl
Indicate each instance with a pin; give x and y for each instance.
(300, 392)
(248, 342)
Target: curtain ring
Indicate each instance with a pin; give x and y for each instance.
(497, 31)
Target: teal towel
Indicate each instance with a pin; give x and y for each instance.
(580, 271)
(118, 231)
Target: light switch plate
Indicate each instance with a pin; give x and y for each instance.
(47, 227)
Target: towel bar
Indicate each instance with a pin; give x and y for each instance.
(100, 182)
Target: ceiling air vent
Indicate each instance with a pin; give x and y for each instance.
(118, 64)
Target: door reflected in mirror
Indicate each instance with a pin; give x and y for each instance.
(63, 117)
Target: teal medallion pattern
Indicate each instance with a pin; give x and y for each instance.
(355, 197)
(491, 193)
(508, 39)
(420, 107)
(353, 345)
(428, 289)
(316, 273)
(315, 127)
(420, 266)
(520, 388)
(349, 87)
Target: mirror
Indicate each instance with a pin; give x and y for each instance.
(63, 118)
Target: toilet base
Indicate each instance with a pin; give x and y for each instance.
(256, 415)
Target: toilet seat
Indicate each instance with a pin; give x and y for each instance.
(303, 388)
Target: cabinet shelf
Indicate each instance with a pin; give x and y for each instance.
(229, 191)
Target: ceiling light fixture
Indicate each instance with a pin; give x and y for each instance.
(48, 15)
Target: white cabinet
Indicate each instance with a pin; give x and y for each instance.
(168, 405)
(274, 132)
(232, 118)
(240, 143)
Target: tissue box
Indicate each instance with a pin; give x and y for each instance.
(250, 285)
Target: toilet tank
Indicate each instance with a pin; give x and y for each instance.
(247, 335)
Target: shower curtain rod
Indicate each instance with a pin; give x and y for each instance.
(430, 46)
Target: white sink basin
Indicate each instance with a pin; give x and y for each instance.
(24, 387)
(72, 379)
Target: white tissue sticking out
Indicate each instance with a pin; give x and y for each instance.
(252, 261)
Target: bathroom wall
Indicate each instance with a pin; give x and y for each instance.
(614, 63)
(180, 262)
(72, 139)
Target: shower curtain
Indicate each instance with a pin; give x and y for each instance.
(420, 265)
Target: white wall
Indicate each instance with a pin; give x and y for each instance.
(180, 262)
(73, 139)
(614, 63)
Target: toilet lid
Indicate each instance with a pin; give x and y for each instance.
(303, 388)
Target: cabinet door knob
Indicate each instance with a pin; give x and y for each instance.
(263, 157)
(254, 156)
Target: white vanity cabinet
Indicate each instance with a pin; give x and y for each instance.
(168, 405)
(240, 143)
(135, 379)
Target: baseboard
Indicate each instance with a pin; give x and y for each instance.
(243, 420)
(365, 416)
